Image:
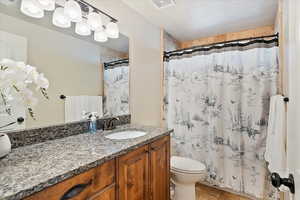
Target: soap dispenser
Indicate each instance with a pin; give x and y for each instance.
(92, 118)
(93, 122)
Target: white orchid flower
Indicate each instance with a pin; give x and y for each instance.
(32, 76)
(21, 66)
(8, 63)
(16, 81)
(31, 102)
(42, 82)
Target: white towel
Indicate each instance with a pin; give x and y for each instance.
(76, 105)
(276, 154)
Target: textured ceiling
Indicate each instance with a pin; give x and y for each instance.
(192, 19)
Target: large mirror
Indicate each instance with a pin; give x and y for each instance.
(73, 74)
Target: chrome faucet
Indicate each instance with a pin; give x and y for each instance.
(110, 125)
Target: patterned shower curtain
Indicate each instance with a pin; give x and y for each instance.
(217, 101)
(116, 90)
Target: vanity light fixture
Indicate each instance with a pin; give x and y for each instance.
(32, 8)
(72, 9)
(100, 36)
(87, 17)
(112, 30)
(82, 28)
(94, 20)
(60, 19)
(48, 5)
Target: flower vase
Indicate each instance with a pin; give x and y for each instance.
(5, 145)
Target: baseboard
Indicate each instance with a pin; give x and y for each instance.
(229, 190)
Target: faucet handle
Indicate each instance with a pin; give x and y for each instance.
(86, 115)
(109, 124)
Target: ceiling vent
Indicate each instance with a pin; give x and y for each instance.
(160, 4)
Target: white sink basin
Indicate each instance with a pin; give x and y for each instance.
(123, 135)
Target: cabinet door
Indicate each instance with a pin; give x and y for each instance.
(79, 186)
(82, 186)
(133, 177)
(160, 169)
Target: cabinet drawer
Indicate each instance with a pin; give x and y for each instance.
(105, 175)
(109, 193)
(57, 191)
(81, 186)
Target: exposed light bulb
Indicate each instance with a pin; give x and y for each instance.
(95, 21)
(73, 11)
(47, 4)
(60, 19)
(82, 28)
(32, 8)
(100, 36)
(112, 30)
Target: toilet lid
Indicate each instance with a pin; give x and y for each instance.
(187, 165)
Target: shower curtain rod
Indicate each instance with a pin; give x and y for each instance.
(114, 63)
(190, 50)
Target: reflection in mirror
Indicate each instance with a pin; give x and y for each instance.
(71, 64)
(116, 87)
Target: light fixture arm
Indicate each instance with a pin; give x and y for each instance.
(82, 2)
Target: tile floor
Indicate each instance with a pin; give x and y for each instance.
(204, 192)
(209, 193)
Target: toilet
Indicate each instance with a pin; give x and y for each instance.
(185, 172)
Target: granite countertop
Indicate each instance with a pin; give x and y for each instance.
(29, 169)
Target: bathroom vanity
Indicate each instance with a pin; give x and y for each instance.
(90, 167)
(139, 174)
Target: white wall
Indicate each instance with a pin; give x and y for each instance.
(170, 44)
(291, 21)
(292, 50)
(145, 60)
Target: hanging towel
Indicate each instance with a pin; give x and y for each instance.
(76, 105)
(276, 139)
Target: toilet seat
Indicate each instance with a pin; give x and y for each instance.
(186, 165)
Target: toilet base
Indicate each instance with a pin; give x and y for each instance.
(185, 192)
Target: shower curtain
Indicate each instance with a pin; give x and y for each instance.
(217, 101)
(116, 90)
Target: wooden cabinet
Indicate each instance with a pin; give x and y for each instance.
(105, 176)
(160, 169)
(133, 175)
(142, 174)
(80, 187)
(108, 193)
